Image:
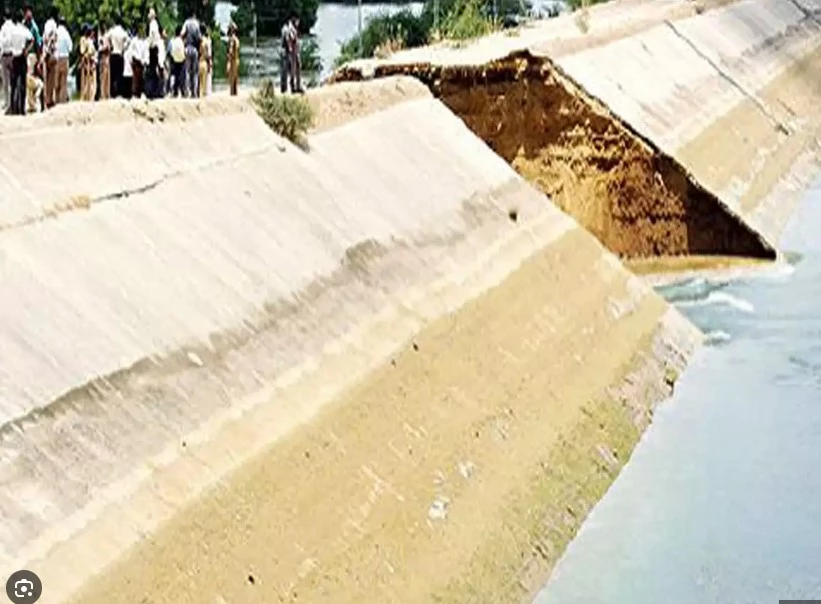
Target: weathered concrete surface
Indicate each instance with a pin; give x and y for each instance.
(235, 371)
(733, 96)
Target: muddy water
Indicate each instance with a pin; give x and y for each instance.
(721, 501)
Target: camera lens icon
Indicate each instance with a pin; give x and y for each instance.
(24, 587)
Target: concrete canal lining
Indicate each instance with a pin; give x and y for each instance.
(388, 368)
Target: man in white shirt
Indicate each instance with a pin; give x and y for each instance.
(117, 39)
(21, 41)
(62, 51)
(49, 56)
(5, 60)
(128, 72)
(177, 52)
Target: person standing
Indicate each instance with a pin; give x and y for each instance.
(290, 62)
(37, 47)
(5, 60)
(169, 41)
(205, 60)
(104, 58)
(34, 85)
(88, 64)
(162, 64)
(50, 57)
(152, 70)
(127, 82)
(192, 38)
(177, 58)
(232, 59)
(117, 39)
(284, 56)
(64, 45)
(139, 60)
(21, 42)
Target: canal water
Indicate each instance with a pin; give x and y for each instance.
(721, 502)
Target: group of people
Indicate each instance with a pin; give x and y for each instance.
(24, 53)
(112, 62)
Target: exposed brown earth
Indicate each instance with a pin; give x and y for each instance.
(635, 199)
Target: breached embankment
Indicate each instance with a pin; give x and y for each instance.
(650, 140)
(233, 371)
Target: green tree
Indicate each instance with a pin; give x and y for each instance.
(133, 12)
(40, 8)
(404, 26)
(272, 14)
(456, 19)
(202, 9)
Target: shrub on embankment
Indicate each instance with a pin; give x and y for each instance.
(288, 116)
(455, 20)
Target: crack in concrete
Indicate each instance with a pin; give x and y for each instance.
(777, 124)
(82, 203)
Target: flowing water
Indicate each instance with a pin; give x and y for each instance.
(721, 502)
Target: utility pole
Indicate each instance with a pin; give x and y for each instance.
(359, 24)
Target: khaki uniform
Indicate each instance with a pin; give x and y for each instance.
(232, 63)
(205, 64)
(105, 70)
(34, 85)
(88, 69)
(50, 62)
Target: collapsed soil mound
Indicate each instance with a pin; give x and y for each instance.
(638, 201)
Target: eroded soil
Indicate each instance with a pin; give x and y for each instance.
(636, 200)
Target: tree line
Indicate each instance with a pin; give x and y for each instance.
(439, 19)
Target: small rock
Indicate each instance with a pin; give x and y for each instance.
(438, 510)
(466, 469)
(194, 358)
